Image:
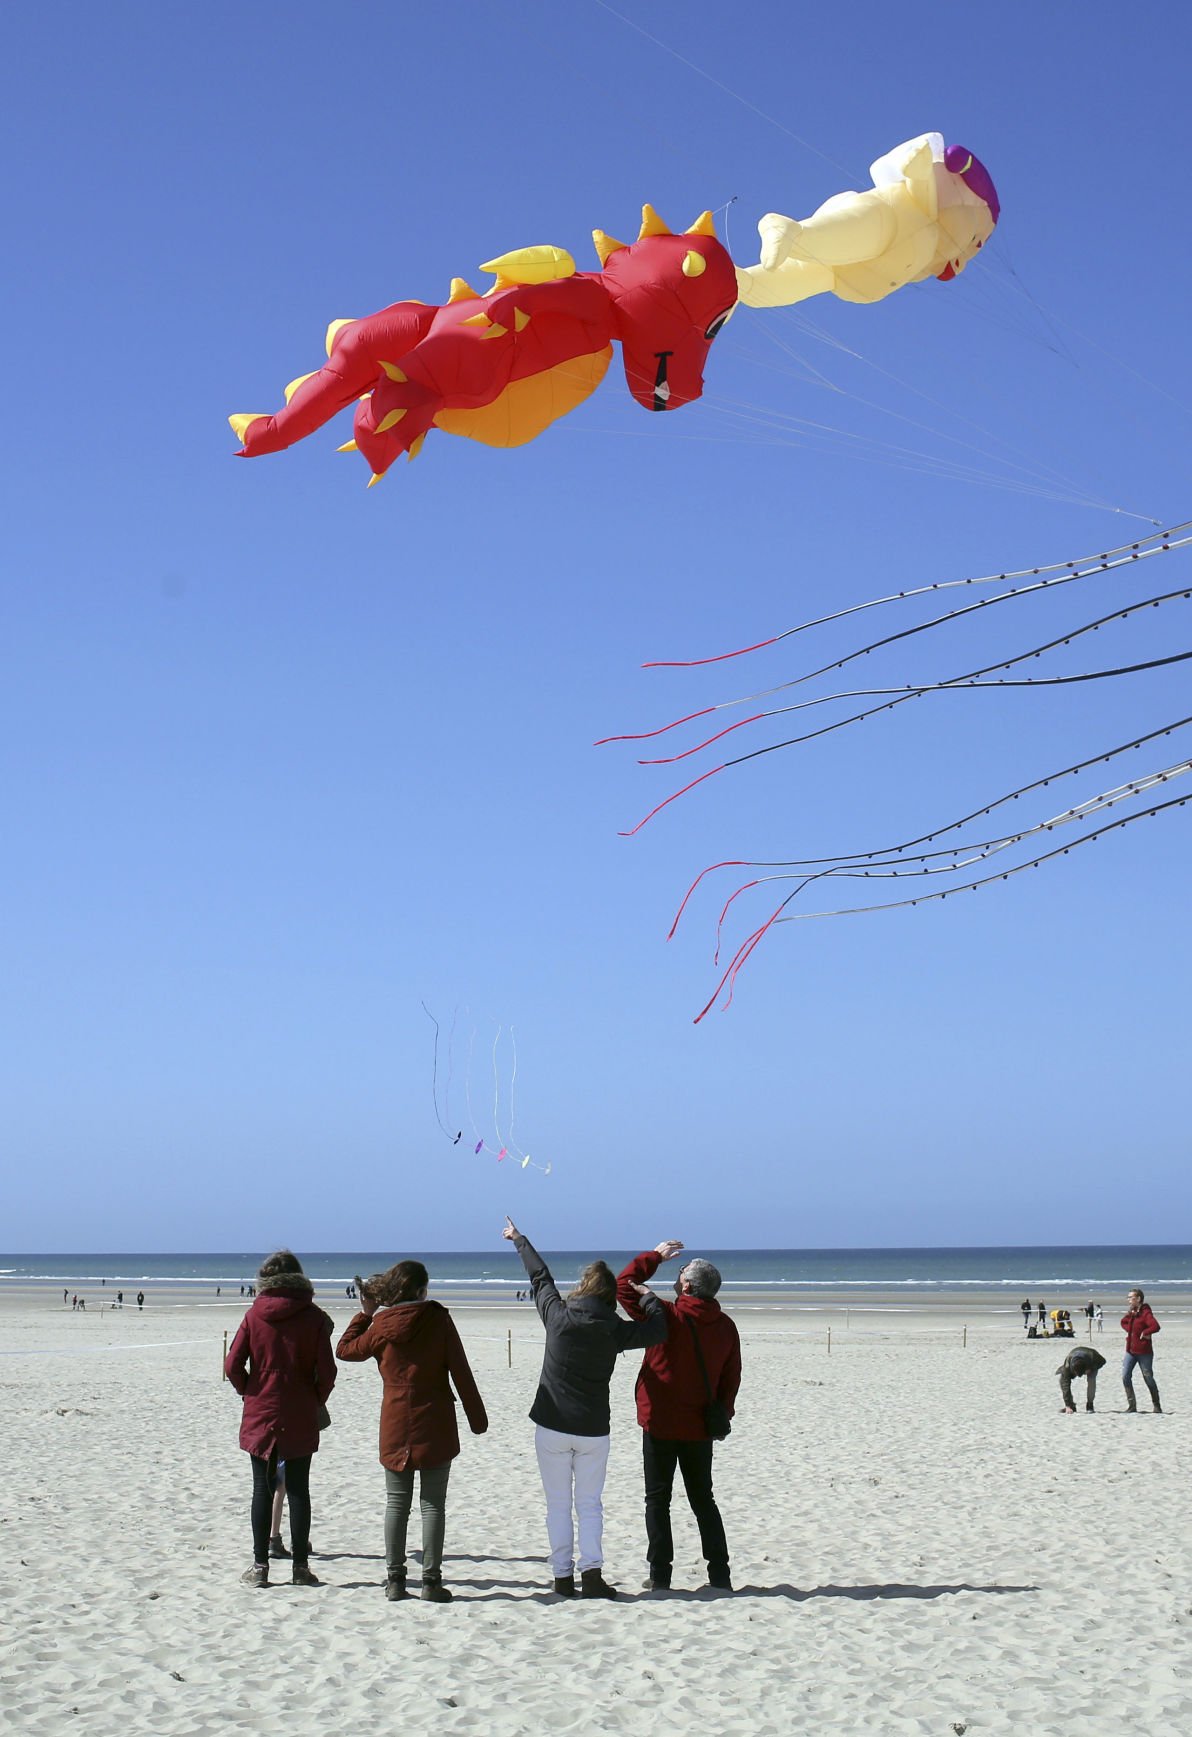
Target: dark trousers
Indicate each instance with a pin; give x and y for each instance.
(264, 1476)
(694, 1460)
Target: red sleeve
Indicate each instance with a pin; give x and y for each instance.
(729, 1383)
(639, 1272)
(355, 1344)
(1126, 1319)
(325, 1370)
(236, 1366)
(1148, 1319)
(464, 1382)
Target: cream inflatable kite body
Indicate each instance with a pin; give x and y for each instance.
(929, 212)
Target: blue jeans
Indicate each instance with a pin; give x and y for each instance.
(1144, 1360)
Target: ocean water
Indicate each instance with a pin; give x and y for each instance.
(1037, 1271)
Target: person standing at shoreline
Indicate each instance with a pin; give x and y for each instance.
(1026, 1314)
(280, 1364)
(420, 1357)
(696, 1367)
(1140, 1327)
(584, 1338)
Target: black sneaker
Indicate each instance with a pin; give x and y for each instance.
(257, 1575)
(658, 1582)
(720, 1578)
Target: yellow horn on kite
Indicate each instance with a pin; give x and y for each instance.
(652, 224)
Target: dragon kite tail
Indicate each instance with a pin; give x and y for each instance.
(353, 367)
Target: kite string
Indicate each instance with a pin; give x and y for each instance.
(434, 1085)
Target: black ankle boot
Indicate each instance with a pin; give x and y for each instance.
(565, 1585)
(395, 1584)
(433, 1590)
(594, 1585)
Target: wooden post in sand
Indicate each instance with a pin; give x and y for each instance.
(509, 1346)
(829, 1341)
(964, 1338)
(223, 1373)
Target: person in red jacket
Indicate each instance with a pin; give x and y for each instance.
(673, 1392)
(281, 1365)
(420, 1357)
(1139, 1326)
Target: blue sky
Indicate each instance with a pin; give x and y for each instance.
(282, 758)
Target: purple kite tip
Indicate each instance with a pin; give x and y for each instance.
(480, 1145)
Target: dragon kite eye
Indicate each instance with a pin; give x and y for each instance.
(717, 323)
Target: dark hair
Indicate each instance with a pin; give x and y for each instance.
(280, 1265)
(597, 1280)
(397, 1284)
(1139, 1293)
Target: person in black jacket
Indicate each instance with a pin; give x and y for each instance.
(584, 1337)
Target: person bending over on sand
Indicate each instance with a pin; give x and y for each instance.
(584, 1337)
(697, 1365)
(420, 1357)
(1081, 1360)
(1139, 1326)
(281, 1365)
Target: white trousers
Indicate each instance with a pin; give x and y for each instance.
(572, 1468)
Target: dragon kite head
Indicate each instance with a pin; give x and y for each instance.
(671, 294)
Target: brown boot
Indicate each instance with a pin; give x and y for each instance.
(594, 1585)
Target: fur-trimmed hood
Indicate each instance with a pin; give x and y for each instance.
(297, 1283)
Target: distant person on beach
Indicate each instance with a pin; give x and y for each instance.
(120, 1298)
(65, 1294)
(1139, 1326)
(281, 1365)
(140, 1299)
(584, 1337)
(421, 1359)
(1026, 1315)
(1100, 1320)
(1042, 1315)
(1081, 1360)
(696, 1368)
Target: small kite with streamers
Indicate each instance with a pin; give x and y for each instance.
(909, 857)
(502, 1146)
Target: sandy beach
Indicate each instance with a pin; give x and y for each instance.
(921, 1542)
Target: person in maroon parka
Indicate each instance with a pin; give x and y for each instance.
(1140, 1327)
(420, 1357)
(281, 1365)
(672, 1396)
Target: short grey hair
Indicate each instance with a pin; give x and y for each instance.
(703, 1279)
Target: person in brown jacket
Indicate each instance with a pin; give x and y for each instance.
(421, 1358)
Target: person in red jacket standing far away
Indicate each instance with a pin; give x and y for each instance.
(1140, 1326)
(281, 1365)
(673, 1393)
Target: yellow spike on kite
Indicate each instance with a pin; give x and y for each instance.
(703, 225)
(694, 265)
(476, 320)
(495, 331)
(394, 373)
(375, 477)
(348, 446)
(462, 291)
(333, 331)
(415, 447)
(652, 224)
(526, 265)
(390, 421)
(605, 245)
(240, 422)
(520, 320)
(300, 381)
